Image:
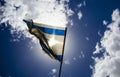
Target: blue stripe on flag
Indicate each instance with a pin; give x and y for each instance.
(47, 30)
(59, 57)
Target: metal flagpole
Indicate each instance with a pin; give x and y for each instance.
(62, 53)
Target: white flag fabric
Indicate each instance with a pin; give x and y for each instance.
(52, 38)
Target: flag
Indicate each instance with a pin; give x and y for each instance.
(51, 38)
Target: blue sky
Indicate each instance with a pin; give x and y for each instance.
(19, 57)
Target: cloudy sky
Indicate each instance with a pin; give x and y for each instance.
(92, 45)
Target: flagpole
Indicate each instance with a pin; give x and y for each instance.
(62, 53)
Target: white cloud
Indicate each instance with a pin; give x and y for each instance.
(53, 76)
(71, 22)
(54, 71)
(79, 15)
(81, 4)
(69, 12)
(105, 22)
(87, 38)
(84, 3)
(81, 55)
(67, 61)
(98, 49)
(99, 33)
(74, 58)
(52, 12)
(109, 63)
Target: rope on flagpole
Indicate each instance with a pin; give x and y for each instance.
(61, 62)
